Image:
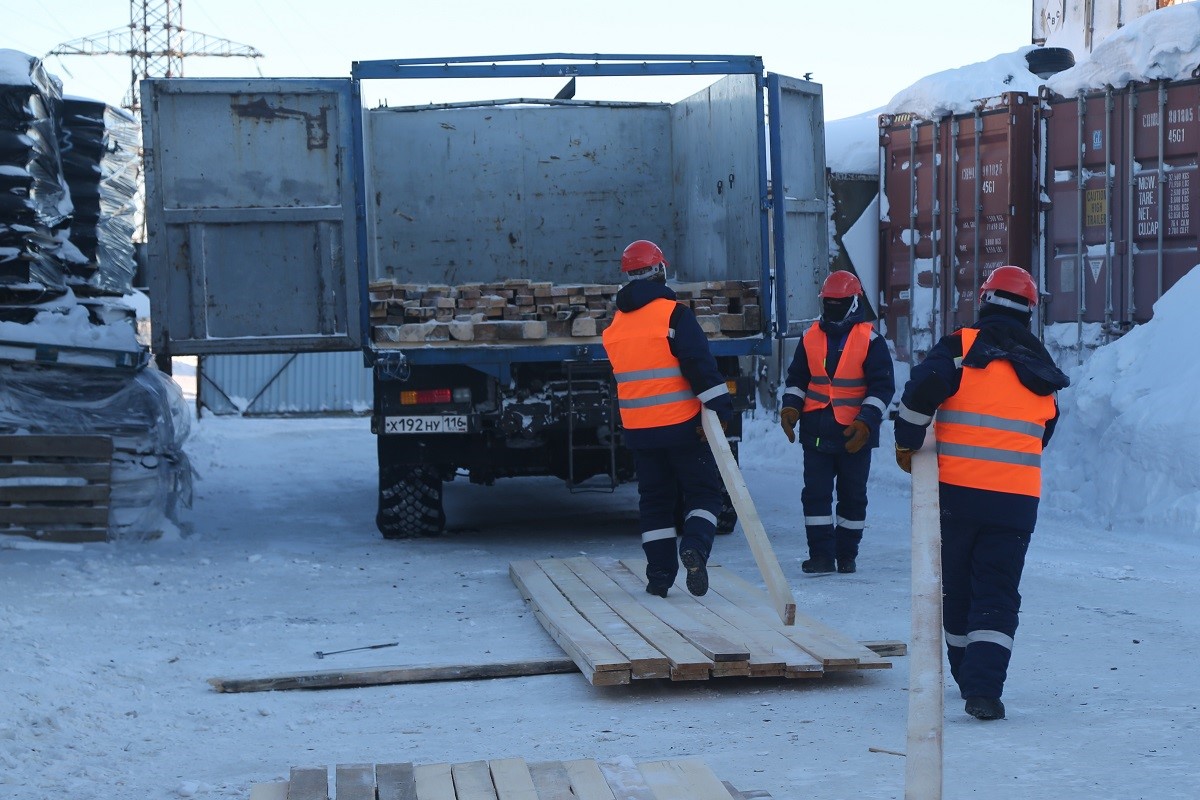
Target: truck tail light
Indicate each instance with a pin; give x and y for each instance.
(433, 396)
(462, 395)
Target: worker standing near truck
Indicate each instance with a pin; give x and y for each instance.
(993, 388)
(665, 375)
(839, 385)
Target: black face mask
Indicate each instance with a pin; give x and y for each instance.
(835, 309)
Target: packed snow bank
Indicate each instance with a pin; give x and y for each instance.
(1127, 450)
(1162, 44)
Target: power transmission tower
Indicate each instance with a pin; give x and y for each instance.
(155, 42)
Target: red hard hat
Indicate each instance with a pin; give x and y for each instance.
(1011, 280)
(841, 284)
(640, 255)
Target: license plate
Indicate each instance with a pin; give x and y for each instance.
(454, 423)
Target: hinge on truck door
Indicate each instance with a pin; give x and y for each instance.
(392, 365)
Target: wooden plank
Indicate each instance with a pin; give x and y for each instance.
(66, 535)
(87, 472)
(395, 782)
(687, 779)
(926, 694)
(551, 780)
(275, 790)
(565, 625)
(472, 781)
(587, 781)
(886, 647)
(512, 779)
(824, 643)
(687, 663)
(380, 676)
(54, 493)
(625, 779)
(434, 782)
(60, 515)
(645, 660)
(760, 546)
(354, 782)
(672, 610)
(95, 448)
(308, 783)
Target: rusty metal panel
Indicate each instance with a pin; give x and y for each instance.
(961, 201)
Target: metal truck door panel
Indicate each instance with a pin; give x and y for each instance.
(250, 211)
(800, 200)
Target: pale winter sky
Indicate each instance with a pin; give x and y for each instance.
(862, 52)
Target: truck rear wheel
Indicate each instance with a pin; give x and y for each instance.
(410, 503)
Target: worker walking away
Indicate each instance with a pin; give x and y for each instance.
(838, 388)
(665, 374)
(993, 387)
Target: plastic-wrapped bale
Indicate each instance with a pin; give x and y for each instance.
(121, 205)
(34, 203)
(81, 142)
(147, 419)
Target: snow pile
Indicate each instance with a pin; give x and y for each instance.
(1127, 449)
(63, 321)
(1162, 44)
(959, 91)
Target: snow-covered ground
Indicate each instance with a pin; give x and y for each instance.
(107, 649)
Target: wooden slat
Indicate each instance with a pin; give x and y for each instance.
(381, 676)
(587, 781)
(512, 780)
(308, 783)
(354, 782)
(61, 446)
(822, 642)
(472, 781)
(54, 493)
(591, 651)
(87, 472)
(645, 661)
(683, 780)
(687, 662)
(625, 779)
(551, 780)
(66, 535)
(58, 515)
(395, 782)
(434, 782)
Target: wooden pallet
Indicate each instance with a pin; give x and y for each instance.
(55, 488)
(508, 779)
(599, 613)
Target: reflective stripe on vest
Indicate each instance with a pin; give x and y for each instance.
(651, 389)
(989, 433)
(846, 390)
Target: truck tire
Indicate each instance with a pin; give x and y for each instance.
(410, 503)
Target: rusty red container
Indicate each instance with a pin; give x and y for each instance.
(958, 199)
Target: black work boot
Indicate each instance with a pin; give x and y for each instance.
(697, 571)
(985, 708)
(657, 588)
(817, 565)
(846, 566)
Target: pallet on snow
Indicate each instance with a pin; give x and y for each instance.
(55, 487)
(507, 779)
(598, 611)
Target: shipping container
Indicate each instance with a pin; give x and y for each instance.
(1120, 229)
(958, 198)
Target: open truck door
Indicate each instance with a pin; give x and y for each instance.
(800, 204)
(252, 172)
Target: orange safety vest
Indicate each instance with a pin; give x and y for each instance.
(846, 390)
(651, 389)
(989, 433)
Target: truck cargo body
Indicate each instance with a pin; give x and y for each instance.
(285, 217)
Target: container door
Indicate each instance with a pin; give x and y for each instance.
(250, 212)
(800, 200)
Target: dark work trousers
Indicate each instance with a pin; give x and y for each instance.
(666, 474)
(832, 536)
(981, 573)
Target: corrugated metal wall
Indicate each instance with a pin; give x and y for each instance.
(284, 384)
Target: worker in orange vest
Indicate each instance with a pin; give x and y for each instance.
(838, 388)
(665, 373)
(993, 387)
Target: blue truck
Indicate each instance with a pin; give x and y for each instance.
(285, 215)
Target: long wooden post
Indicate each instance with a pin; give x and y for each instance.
(923, 766)
(756, 537)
